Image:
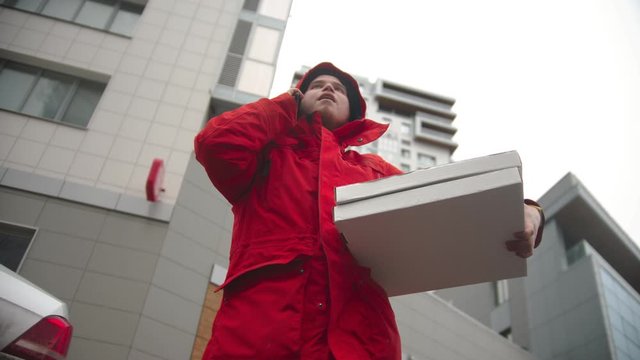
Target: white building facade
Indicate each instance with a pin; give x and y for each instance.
(91, 92)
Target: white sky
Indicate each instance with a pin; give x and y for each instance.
(557, 80)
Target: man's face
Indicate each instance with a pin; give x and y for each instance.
(328, 96)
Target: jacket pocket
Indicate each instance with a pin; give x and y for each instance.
(260, 315)
(368, 321)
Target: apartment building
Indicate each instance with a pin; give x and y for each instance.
(581, 298)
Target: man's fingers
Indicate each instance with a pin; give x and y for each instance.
(296, 93)
(525, 254)
(522, 248)
(518, 246)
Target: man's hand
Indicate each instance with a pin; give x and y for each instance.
(525, 239)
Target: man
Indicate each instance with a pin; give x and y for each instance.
(293, 289)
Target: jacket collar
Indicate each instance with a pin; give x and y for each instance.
(359, 132)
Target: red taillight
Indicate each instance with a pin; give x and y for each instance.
(47, 340)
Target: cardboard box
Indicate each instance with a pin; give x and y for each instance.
(447, 233)
(432, 175)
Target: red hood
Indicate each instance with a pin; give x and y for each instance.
(357, 105)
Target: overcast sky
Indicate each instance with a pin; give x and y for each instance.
(556, 80)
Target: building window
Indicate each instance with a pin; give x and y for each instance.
(425, 161)
(14, 244)
(390, 109)
(405, 153)
(251, 5)
(405, 128)
(115, 16)
(277, 9)
(506, 333)
(405, 167)
(47, 94)
(429, 129)
(501, 288)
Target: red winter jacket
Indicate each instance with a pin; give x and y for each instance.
(279, 173)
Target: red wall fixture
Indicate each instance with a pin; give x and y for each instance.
(154, 180)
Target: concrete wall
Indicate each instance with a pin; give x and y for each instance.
(100, 262)
(433, 329)
(476, 300)
(157, 93)
(564, 306)
(135, 286)
(198, 236)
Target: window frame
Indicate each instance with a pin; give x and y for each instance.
(118, 4)
(64, 105)
(406, 129)
(421, 164)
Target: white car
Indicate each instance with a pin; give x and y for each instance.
(33, 323)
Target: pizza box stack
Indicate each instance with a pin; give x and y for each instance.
(436, 228)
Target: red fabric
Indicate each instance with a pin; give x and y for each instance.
(281, 303)
(279, 173)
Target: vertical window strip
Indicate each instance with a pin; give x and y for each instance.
(230, 70)
(231, 67)
(240, 37)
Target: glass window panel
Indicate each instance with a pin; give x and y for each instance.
(278, 9)
(62, 9)
(255, 78)
(240, 37)
(95, 13)
(15, 82)
(126, 19)
(29, 5)
(83, 103)
(230, 70)
(425, 160)
(14, 242)
(251, 5)
(47, 95)
(264, 44)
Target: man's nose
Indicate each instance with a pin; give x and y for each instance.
(328, 86)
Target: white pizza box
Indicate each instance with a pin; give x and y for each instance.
(432, 175)
(437, 236)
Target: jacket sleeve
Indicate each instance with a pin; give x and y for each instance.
(230, 145)
(392, 170)
(380, 165)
